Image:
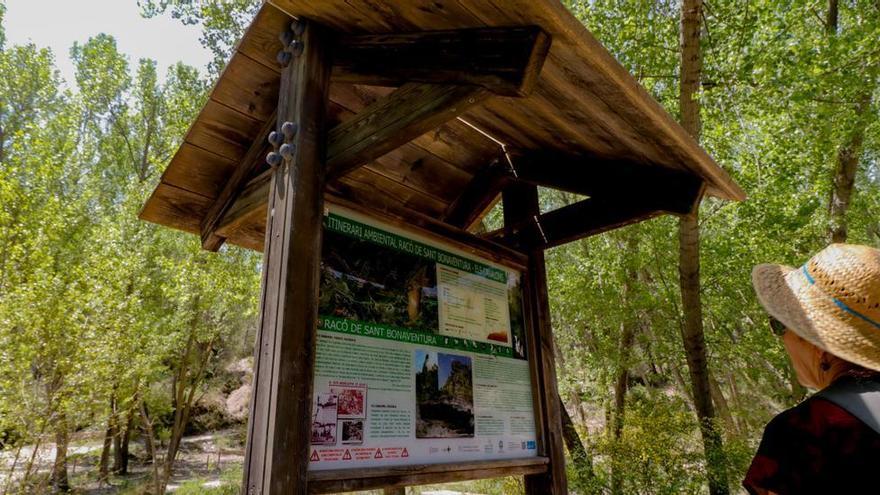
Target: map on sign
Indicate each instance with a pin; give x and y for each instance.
(472, 307)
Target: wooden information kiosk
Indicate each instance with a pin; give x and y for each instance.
(358, 144)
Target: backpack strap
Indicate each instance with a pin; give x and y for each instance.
(861, 398)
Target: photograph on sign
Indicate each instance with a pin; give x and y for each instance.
(421, 352)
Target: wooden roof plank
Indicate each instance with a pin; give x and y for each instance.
(223, 130)
(176, 208)
(249, 87)
(198, 170)
(505, 60)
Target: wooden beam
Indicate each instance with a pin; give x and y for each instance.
(389, 123)
(277, 453)
(255, 156)
(479, 195)
(407, 113)
(346, 480)
(520, 204)
(504, 60)
(601, 213)
(590, 175)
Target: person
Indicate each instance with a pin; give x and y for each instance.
(827, 313)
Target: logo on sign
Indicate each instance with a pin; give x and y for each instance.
(314, 456)
(378, 454)
(346, 456)
(404, 453)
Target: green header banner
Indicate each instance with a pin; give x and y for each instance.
(380, 237)
(388, 332)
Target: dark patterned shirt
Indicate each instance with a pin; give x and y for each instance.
(816, 447)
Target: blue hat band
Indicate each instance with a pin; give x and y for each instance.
(840, 304)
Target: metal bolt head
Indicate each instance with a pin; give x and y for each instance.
(298, 27)
(297, 47)
(286, 37)
(289, 129)
(275, 138)
(283, 58)
(287, 150)
(273, 159)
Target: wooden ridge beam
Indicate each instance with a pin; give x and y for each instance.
(504, 60)
(405, 114)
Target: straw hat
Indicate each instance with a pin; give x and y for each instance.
(833, 301)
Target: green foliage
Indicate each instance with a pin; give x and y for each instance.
(95, 304)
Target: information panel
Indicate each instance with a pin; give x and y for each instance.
(421, 354)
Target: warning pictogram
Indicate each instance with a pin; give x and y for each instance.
(314, 456)
(346, 456)
(378, 454)
(404, 453)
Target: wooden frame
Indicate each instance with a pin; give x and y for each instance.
(333, 481)
(401, 476)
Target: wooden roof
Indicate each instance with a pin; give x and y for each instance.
(583, 104)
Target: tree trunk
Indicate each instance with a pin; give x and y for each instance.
(721, 403)
(579, 455)
(627, 337)
(120, 463)
(59, 480)
(831, 20)
(847, 166)
(190, 373)
(148, 440)
(849, 153)
(103, 464)
(620, 388)
(689, 258)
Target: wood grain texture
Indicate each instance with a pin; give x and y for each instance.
(520, 205)
(394, 120)
(505, 60)
(582, 65)
(583, 103)
(229, 195)
(592, 176)
(223, 130)
(607, 210)
(198, 170)
(276, 457)
(248, 86)
(420, 474)
(174, 207)
(479, 195)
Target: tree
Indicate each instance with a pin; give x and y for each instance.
(689, 257)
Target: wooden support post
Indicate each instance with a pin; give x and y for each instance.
(276, 458)
(520, 204)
